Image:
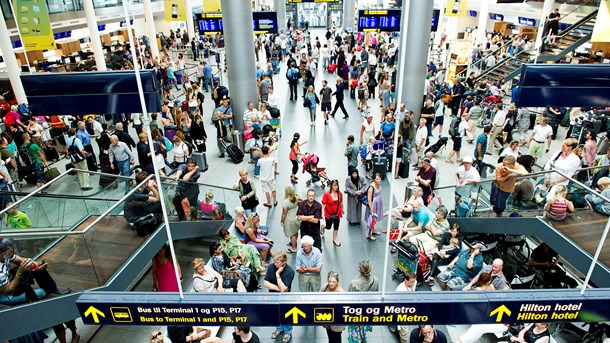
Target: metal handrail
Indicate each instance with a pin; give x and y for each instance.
(84, 231)
(170, 180)
(463, 72)
(577, 24)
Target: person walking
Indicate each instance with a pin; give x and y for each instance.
(267, 176)
(326, 95)
(78, 156)
(310, 102)
(120, 154)
(339, 97)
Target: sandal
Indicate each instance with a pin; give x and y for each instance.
(372, 238)
(276, 333)
(337, 243)
(267, 205)
(292, 251)
(393, 250)
(275, 204)
(431, 282)
(286, 338)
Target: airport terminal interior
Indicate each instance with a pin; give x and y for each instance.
(339, 146)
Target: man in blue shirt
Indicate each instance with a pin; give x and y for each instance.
(420, 217)
(462, 269)
(207, 76)
(308, 265)
(85, 138)
(78, 155)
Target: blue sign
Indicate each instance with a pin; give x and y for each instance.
(404, 308)
(379, 20)
(124, 23)
(60, 35)
(527, 21)
(496, 16)
(16, 44)
(435, 18)
(262, 22)
(101, 27)
(472, 13)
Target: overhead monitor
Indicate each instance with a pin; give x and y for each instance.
(379, 20)
(124, 23)
(472, 13)
(60, 35)
(435, 17)
(101, 27)
(496, 16)
(262, 22)
(527, 21)
(210, 23)
(265, 22)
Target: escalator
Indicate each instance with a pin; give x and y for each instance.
(566, 42)
(88, 244)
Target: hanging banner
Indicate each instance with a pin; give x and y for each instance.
(211, 6)
(601, 31)
(34, 24)
(456, 8)
(175, 10)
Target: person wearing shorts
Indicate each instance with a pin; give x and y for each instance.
(326, 98)
(267, 176)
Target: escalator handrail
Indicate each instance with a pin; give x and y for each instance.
(92, 224)
(63, 196)
(169, 180)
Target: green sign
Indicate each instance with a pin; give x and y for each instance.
(34, 25)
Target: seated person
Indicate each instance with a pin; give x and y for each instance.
(143, 201)
(235, 275)
(497, 278)
(433, 232)
(462, 269)
(546, 260)
(596, 203)
(254, 236)
(209, 208)
(18, 273)
(205, 278)
(240, 221)
(187, 192)
(415, 224)
(558, 207)
(478, 330)
(448, 248)
(533, 333)
(404, 210)
(244, 253)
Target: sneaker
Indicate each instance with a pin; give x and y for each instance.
(286, 338)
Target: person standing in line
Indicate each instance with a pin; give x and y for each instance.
(420, 141)
(308, 266)
(279, 278)
(332, 208)
(309, 214)
(364, 282)
(339, 96)
(428, 113)
(120, 154)
(326, 97)
(267, 176)
(84, 138)
(332, 285)
(408, 285)
(351, 152)
(78, 155)
(543, 133)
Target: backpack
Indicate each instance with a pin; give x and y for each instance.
(307, 102)
(24, 109)
(364, 152)
(292, 74)
(168, 144)
(27, 160)
(454, 127)
(74, 153)
(222, 91)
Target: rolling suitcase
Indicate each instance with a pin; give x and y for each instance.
(169, 131)
(332, 68)
(380, 165)
(403, 170)
(91, 163)
(602, 147)
(200, 160)
(234, 153)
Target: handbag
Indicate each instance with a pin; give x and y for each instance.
(354, 83)
(334, 216)
(50, 174)
(306, 102)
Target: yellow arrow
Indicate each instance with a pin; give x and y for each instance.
(94, 312)
(295, 313)
(500, 311)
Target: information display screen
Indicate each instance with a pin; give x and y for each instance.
(527, 21)
(379, 20)
(60, 35)
(435, 16)
(263, 22)
(496, 16)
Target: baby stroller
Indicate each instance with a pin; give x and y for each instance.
(318, 174)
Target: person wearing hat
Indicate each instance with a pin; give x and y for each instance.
(426, 178)
(462, 269)
(465, 177)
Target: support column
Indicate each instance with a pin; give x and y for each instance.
(12, 68)
(280, 8)
(349, 8)
(483, 19)
(547, 8)
(239, 52)
(413, 68)
(190, 25)
(151, 32)
(94, 35)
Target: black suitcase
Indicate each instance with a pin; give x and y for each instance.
(68, 167)
(234, 152)
(51, 154)
(107, 180)
(380, 165)
(403, 170)
(200, 160)
(91, 163)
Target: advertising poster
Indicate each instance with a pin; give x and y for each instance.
(211, 6)
(34, 24)
(601, 31)
(175, 10)
(456, 8)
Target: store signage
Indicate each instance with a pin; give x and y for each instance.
(456, 8)
(337, 6)
(60, 35)
(379, 20)
(132, 308)
(435, 17)
(472, 13)
(527, 21)
(262, 22)
(124, 23)
(175, 10)
(496, 16)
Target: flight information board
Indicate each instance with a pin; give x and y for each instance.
(378, 20)
(263, 22)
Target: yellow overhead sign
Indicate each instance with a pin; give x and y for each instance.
(456, 8)
(175, 10)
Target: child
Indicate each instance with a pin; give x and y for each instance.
(558, 208)
(362, 97)
(596, 203)
(467, 105)
(17, 219)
